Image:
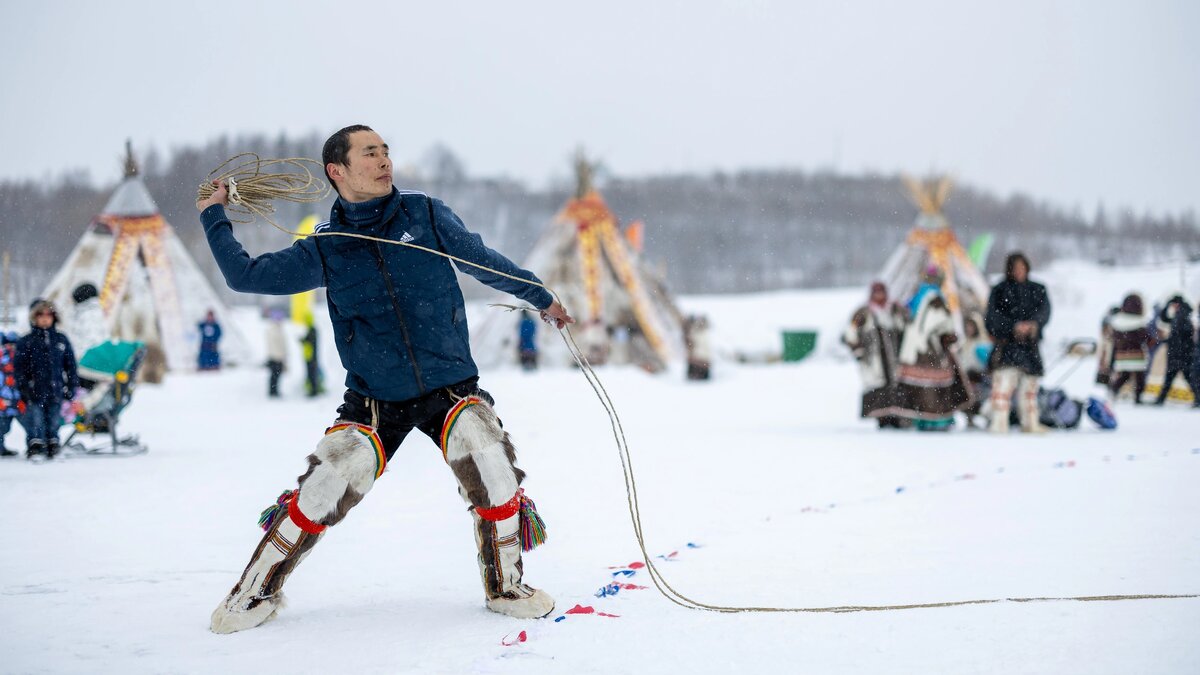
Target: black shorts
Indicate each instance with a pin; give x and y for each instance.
(397, 418)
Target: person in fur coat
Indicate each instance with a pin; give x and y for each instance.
(931, 384)
(1131, 347)
(873, 336)
(1104, 357)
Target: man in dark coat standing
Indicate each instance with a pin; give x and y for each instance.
(1181, 345)
(46, 376)
(1017, 313)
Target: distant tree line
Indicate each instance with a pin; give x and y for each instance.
(715, 233)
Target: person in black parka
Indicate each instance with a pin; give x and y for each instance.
(46, 376)
(1017, 313)
(1181, 344)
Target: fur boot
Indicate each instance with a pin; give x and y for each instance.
(483, 459)
(1030, 412)
(341, 471)
(501, 569)
(1004, 381)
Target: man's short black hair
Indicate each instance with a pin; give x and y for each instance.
(337, 149)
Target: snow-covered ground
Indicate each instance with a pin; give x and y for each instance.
(113, 565)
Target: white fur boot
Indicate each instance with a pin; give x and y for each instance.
(484, 461)
(1031, 422)
(258, 595)
(501, 570)
(341, 471)
(1004, 381)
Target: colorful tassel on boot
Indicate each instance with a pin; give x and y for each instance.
(268, 516)
(533, 528)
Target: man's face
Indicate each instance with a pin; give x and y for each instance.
(1020, 271)
(368, 170)
(43, 319)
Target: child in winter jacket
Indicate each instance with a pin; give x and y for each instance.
(46, 376)
(975, 352)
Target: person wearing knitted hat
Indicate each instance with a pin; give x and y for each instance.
(45, 373)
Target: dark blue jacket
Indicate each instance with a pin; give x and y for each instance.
(528, 334)
(397, 312)
(210, 334)
(45, 367)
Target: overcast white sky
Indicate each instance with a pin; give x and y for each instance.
(1075, 102)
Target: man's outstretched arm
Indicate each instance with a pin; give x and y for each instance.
(469, 246)
(292, 270)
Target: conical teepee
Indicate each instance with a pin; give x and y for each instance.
(623, 310)
(150, 288)
(931, 242)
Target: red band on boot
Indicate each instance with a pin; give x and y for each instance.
(503, 512)
(300, 519)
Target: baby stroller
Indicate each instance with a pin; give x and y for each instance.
(111, 368)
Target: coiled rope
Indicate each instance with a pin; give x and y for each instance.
(251, 193)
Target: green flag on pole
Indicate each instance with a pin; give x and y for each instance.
(979, 250)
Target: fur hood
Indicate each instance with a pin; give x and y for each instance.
(1125, 322)
(39, 306)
